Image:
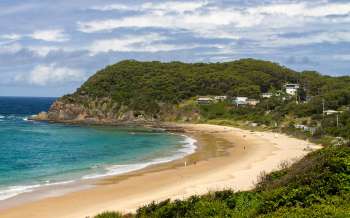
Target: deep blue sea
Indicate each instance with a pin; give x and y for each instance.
(36, 154)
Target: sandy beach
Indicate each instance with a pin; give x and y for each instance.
(226, 158)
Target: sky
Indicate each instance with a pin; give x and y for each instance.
(49, 48)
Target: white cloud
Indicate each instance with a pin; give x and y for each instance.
(165, 6)
(177, 6)
(135, 21)
(323, 37)
(39, 50)
(310, 9)
(125, 43)
(112, 7)
(199, 22)
(231, 22)
(11, 36)
(43, 51)
(10, 48)
(53, 35)
(51, 75)
(136, 43)
(50, 35)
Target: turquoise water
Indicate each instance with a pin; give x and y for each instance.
(35, 154)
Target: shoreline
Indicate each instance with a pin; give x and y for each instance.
(28, 193)
(227, 157)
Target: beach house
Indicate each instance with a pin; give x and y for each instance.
(253, 102)
(291, 88)
(220, 98)
(205, 100)
(238, 101)
(305, 128)
(330, 112)
(266, 95)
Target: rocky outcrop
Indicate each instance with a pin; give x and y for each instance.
(83, 109)
(42, 116)
(97, 111)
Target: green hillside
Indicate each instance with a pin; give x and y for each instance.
(148, 85)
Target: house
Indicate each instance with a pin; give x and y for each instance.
(330, 112)
(291, 88)
(300, 126)
(240, 101)
(253, 102)
(220, 98)
(305, 128)
(266, 95)
(205, 100)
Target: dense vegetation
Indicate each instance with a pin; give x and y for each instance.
(316, 186)
(146, 86)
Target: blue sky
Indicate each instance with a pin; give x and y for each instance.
(49, 48)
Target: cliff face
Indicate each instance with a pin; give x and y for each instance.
(93, 111)
(104, 111)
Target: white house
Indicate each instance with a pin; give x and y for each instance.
(205, 100)
(305, 128)
(291, 88)
(220, 98)
(240, 101)
(330, 112)
(266, 95)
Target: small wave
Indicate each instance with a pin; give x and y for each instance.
(13, 117)
(26, 118)
(13, 191)
(16, 190)
(188, 148)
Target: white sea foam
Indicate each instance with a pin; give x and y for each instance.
(188, 148)
(2, 117)
(15, 190)
(12, 191)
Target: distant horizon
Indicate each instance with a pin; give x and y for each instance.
(17, 96)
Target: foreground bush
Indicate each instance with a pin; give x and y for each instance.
(109, 215)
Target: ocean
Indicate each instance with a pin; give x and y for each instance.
(39, 154)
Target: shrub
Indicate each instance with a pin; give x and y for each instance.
(109, 215)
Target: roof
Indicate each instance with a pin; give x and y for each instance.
(331, 111)
(204, 99)
(241, 98)
(291, 85)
